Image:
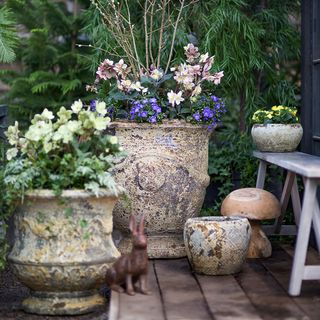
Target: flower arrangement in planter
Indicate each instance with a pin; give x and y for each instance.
(153, 96)
(162, 116)
(276, 130)
(60, 167)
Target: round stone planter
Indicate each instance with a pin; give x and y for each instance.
(62, 250)
(217, 245)
(165, 175)
(277, 137)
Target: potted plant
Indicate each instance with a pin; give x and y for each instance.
(276, 130)
(166, 116)
(58, 173)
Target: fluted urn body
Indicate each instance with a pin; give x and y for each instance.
(62, 250)
(165, 175)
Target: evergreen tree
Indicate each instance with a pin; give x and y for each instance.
(8, 37)
(54, 71)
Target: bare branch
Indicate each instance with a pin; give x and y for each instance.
(164, 5)
(174, 34)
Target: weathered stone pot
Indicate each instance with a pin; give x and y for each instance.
(62, 250)
(165, 175)
(217, 245)
(277, 137)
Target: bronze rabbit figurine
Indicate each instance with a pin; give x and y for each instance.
(132, 267)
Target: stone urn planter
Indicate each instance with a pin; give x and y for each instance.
(62, 250)
(277, 137)
(217, 245)
(165, 175)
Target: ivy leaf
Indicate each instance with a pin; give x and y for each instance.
(83, 223)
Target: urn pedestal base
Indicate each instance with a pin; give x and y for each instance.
(159, 246)
(64, 303)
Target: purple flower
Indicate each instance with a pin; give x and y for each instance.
(153, 119)
(145, 101)
(144, 114)
(156, 108)
(214, 98)
(93, 105)
(196, 116)
(153, 100)
(207, 112)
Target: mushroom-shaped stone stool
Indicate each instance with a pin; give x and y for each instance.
(254, 204)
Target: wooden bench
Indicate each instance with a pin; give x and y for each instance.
(308, 167)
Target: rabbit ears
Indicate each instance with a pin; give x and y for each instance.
(133, 225)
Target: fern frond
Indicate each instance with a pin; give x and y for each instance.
(8, 37)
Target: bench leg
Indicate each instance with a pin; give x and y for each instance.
(300, 252)
(261, 174)
(284, 200)
(316, 224)
(296, 203)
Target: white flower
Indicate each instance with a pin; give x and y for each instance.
(204, 58)
(13, 133)
(124, 85)
(197, 90)
(101, 108)
(101, 123)
(113, 140)
(77, 106)
(175, 98)
(47, 147)
(39, 130)
(156, 74)
(11, 153)
(64, 134)
(137, 86)
(74, 125)
(46, 114)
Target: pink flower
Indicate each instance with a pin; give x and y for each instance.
(106, 70)
(121, 69)
(216, 78)
(191, 52)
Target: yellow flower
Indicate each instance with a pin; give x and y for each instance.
(269, 115)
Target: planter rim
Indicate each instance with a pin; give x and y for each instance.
(213, 219)
(70, 193)
(170, 124)
(277, 125)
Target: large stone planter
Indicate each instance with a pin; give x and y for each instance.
(165, 175)
(217, 245)
(277, 137)
(63, 249)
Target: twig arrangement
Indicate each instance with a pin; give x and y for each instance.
(117, 17)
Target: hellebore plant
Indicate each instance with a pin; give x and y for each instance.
(66, 151)
(151, 96)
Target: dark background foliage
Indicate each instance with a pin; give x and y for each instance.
(255, 42)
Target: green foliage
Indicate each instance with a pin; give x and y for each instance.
(53, 70)
(256, 44)
(8, 37)
(229, 160)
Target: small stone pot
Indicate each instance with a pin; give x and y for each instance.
(277, 137)
(217, 245)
